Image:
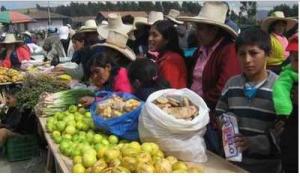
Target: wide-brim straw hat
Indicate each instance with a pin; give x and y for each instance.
(117, 40)
(89, 26)
(27, 33)
(114, 23)
(173, 14)
(10, 38)
(152, 18)
(276, 16)
(213, 13)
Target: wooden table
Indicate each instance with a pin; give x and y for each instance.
(64, 164)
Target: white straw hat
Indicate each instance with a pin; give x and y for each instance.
(275, 16)
(213, 13)
(11, 38)
(89, 26)
(152, 18)
(114, 23)
(117, 40)
(173, 14)
(27, 33)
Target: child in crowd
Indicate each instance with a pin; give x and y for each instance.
(144, 78)
(11, 119)
(287, 107)
(249, 97)
(287, 78)
(106, 74)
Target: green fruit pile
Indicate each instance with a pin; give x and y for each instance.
(95, 152)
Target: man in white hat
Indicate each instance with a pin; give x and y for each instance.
(62, 50)
(90, 30)
(276, 25)
(14, 52)
(214, 62)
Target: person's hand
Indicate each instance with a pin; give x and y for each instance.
(86, 100)
(241, 142)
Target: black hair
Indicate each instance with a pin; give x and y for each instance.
(13, 90)
(102, 59)
(169, 32)
(144, 73)
(254, 35)
(79, 36)
(127, 19)
(271, 27)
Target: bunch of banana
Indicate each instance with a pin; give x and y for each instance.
(10, 75)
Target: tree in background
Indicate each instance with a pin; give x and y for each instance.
(3, 8)
(287, 10)
(247, 14)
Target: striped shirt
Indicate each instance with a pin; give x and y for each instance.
(255, 117)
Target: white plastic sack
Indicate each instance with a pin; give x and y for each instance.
(177, 137)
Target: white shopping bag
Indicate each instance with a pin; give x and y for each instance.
(180, 138)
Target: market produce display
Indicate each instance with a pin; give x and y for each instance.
(33, 66)
(116, 106)
(96, 152)
(179, 107)
(50, 103)
(10, 75)
(36, 84)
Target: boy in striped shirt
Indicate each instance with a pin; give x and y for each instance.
(249, 97)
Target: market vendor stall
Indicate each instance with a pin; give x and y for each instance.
(64, 164)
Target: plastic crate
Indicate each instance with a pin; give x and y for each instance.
(21, 147)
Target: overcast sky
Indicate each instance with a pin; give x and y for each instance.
(265, 5)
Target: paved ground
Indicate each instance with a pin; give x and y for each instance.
(34, 165)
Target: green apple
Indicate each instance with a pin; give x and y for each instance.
(60, 126)
(79, 125)
(81, 110)
(97, 138)
(78, 168)
(75, 152)
(59, 116)
(64, 145)
(90, 138)
(88, 160)
(105, 142)
(77, 159)
(57, 139)
(50, 127)
(72, 108)
(56, 133)
(78, 117)
(70, 117)
(67, 137)
(70, 130)
(97, 146)
(113, 139)
(85, 126)
(87, 115)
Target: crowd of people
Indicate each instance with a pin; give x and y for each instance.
(252, 74)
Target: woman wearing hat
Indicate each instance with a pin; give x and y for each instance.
(215, 60)
(276, 25)
(14, 53)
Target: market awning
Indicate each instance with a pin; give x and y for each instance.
(14, 17)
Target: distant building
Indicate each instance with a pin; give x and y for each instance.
(42, 19)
